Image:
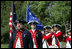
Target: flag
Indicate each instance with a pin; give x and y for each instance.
(31, 16)
(13, 17)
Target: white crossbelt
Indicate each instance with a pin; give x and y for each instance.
(18, 44)
(34, 44)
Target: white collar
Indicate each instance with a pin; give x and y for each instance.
(33, 30)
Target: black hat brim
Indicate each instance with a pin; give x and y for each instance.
(21, 21)
(47, 28)
(56, 25)
(33, 23)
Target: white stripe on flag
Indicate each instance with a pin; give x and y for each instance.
(10, 31)
(10, 13)
(10, 34)
(10, 23)
(10, 18)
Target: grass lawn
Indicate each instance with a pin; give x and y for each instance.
(6, 45)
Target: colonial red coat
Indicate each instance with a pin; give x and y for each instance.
(65, 39)
(19, 35)
(48, 38)
(25, 36)
(58, 35)
(37, 36)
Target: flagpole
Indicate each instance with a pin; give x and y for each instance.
(27, 2)
(26, 11)
(26, 16)
(12, 24)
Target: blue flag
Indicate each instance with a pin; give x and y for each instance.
(13, 10)
(31, 16)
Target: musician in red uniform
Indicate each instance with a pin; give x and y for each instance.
(36, 34)
(47, 36)
(67, 39)
(58, 34)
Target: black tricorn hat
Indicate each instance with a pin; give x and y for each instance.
(56, 25)
(21, 21)
(47, 27)
(33, 22)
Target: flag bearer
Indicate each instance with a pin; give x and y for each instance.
(36, 35)
(21, 37)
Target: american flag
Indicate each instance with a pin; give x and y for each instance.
(13, 17)
(10, 24)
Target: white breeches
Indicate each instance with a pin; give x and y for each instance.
(68, 45)
(60, 44)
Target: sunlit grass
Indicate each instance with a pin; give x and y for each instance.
(7, 45)
(4, 45)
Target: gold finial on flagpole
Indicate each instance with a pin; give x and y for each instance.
(27, 2)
